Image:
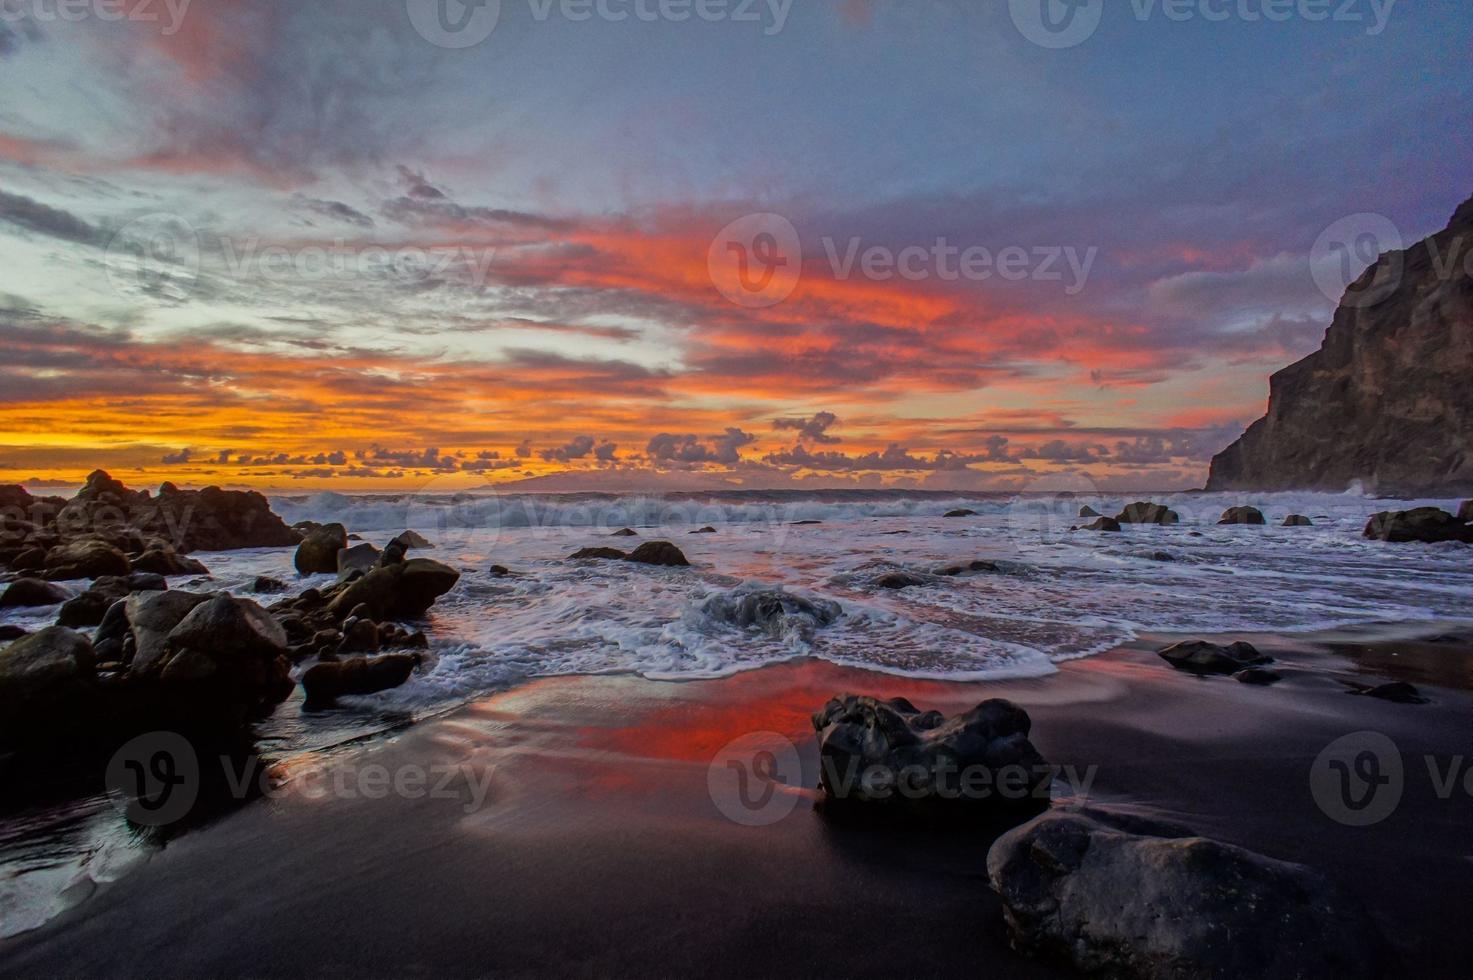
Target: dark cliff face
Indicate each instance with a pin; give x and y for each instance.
(1388, 399)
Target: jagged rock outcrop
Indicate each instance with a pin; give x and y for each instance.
(1385, 400)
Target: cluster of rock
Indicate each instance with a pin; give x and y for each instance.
(1430, 525)
(1104, 893)
(650, 553)
(1140, 512)
(107, 529)
(1240, 660)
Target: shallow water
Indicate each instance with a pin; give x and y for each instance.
(1056, 595)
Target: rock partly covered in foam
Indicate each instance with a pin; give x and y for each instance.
(1386, 399)
(776, 612)
(1122, 896)
(1429, 525)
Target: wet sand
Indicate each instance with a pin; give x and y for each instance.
(598, 849)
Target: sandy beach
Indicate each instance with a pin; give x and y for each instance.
(580, 834)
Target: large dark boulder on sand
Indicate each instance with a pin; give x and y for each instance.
(1201, 657)
(1430, 525)
(1386, 399)
(44, 676)
(326, 682)
(319, 549)
(1123, 896)
(889, 758)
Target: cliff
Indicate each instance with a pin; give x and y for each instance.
(1388, 399)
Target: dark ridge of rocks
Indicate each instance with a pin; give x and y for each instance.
(31, 593)
(1117, 895)
(319, 549)
(1298, 520)
(1144, 512)
(1428, 525)
(1242, 515)
(1386, 399)
(961, 512)
(1104, 524)
(924, 757)
(1203, 658)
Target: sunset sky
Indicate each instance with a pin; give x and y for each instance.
(298, 245)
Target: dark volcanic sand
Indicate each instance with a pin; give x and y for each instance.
(600, 852)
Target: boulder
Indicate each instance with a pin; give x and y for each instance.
(627, 532)
(1142, 512)
(1398, 692)
(394, 552)
(1298, 520)
(599, 554)
(326, 682)
(1465, 512)
(705, 530)
(888, 757)
(359, 558)
(359, 636)
(1203, 658)
(659, 553)
(403, 591)
(1242, 515)
(1127, 897)
(9, 631)
(48, 671)
(1430, 525)
(1258, 676)
(961, 512)
(85, 558)
(1088, 511)
(30, 559)
(1104, 524)
(164, 560)
(226, 661)
(265, 583)
(319, 549)
(227, 627)
(30, 593)
(413, 539)
(151, 617)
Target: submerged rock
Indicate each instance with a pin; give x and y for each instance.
(1104, 524)
(627, 532)
(1398, 692)
(961, 512)
(1123, 896)
(1242, 515)
(1201, 657)
(705, 530)
(1429, 525)
(1258, 676)
(598, 554)
(1298, 520)
(896, 581)
(775, 611)
(889, 757)
(1088, 511)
